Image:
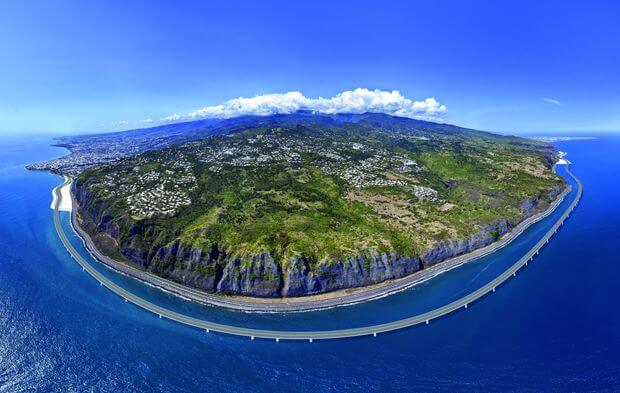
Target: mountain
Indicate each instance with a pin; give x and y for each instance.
(87, 151)
(291, 205)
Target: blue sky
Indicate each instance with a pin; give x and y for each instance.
(80, 66)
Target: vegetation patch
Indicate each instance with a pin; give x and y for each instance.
(319, 192)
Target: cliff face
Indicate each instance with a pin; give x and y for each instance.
(214, 270)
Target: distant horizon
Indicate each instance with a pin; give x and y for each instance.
(72, 67)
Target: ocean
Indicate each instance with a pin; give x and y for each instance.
(554, 327)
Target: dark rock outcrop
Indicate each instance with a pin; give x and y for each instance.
(260, 276)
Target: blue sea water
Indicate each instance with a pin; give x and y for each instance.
(555, 327)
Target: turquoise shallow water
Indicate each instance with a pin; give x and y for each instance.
(554, 327)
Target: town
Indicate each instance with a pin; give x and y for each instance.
(163, 184)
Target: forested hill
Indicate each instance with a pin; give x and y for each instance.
(290, 205)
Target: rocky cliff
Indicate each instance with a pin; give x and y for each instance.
(214, 270)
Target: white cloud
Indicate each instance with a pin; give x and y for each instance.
(145, 121)
(119, 123)
(359, 100)
(552, 101)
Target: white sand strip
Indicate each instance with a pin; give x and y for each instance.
(65, 196)
(562, 160)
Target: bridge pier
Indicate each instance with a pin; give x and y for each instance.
(427, 321)
(493, 289)
(207, 330)
(252, 338)
(309, 340)
(374, 334)
(277, 340)
(465, 305)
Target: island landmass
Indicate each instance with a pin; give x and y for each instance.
(304, 204)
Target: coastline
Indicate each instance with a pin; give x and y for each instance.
(310, 335)
(344, 297)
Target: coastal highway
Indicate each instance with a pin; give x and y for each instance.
(278, 335)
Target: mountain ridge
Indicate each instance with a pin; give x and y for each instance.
(88, 150)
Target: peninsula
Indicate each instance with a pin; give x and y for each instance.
(287, 206)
